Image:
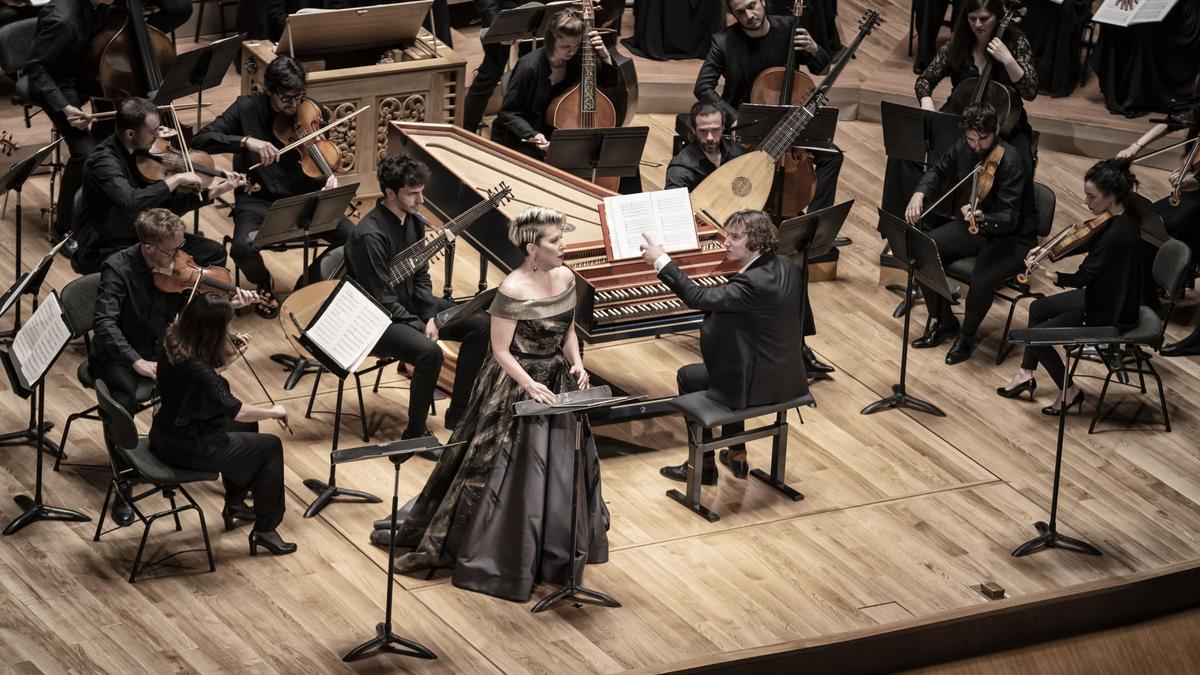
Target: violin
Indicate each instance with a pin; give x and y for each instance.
(185, 276)
(981, 183)
(1063, 242)
(318, 155)
(980, 89)
(163, 160)
(796, 179)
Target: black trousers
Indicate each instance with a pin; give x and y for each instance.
(1060, 310)
(694, 377)
(996, 260)
(248, 214)
(171, 14)
(251, 462)
(828, 167)
(79, 144)
(405, 341)
(495, 58)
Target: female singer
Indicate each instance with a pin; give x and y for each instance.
(200, 425)
(496, 508)
(1106, 286)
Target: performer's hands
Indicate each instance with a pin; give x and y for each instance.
(804, 41)
(927, 104)
(1130, 151)
(1190, 184)
(651, 249)
(1033, 253)
(233, 181)
(1126, 4)
(267, 152)
(77, 117)
(540, 392)
(540, 142)
(581, 375)
(916, 206)
(278, 412)
(431, 330)
(330, 183)
(189, 180)
(244, 298)
(1000, 52)
(599, 46)
(977, 216)
(242, 342)
(146, 368)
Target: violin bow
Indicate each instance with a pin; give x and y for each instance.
(951, 190)
(1172, 146)
(309, 136)
(257, 379)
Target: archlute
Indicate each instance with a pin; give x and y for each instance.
(745, 182)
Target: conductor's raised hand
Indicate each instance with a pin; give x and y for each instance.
(651, 249)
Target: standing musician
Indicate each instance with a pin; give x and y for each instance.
(391, 227)
(710, 149)
(747, 341)
(1004, 238)
(491, 68)
(63, 31)
(541, 76)
(246, 129)
(115, 191)
(1106, 287)
(742, 51)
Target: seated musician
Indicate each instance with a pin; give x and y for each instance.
(742, 51)
(710, 149)
(64, 29)
(391, 227)
(1106, 287)
(245, 129)
(201, 426)
(115, 192)
(132, 314)
(1003, 240)
(747, 341)
(540, 77)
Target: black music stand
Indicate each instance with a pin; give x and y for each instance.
(756, 121)
(398, 452)
(598, 153)
(14, 180)
(809, 236)
(577, 404)
(299, 217)
(33, 508)
(1072, 339)
(920, 255)
(527, 22)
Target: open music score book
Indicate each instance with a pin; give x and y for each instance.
(1145, 11)
(39, 342)
(348, 326)
(666, 215)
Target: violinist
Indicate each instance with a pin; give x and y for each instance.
(115, 191)
(753, 44)
(246, 129)
(1004, 236)
(1105, 289)
(201, 426)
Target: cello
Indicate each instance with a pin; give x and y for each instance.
(126, 58)
(980, 89)
(796, 177)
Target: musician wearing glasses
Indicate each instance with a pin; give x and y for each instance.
(380, 238)
(115, 192)
(245, 129)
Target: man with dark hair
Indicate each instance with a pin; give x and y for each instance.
(751, 45)
(245, 129)
(1004, 238)
(115, 192)
(380, 238)
(748, 338)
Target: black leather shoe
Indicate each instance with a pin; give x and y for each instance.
(122, 512)
(739, 467)
(236, 512)
(961, 350)
(936, 334)
(1188, 346)
(1029, 385)
(282, 548)
(452, 418)
(812, 366)
(1075, 402)
(708, 476)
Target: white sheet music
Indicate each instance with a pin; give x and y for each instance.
(1145, 11)
(39, 341)
(349, 327)
(666, 215)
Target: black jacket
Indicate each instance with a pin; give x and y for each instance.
(750, 340)
(131, 313)
(728, 56)
(63, 31)
(529, 92)
(378, 238)
(1111, 274)
(690, 167)
(1004, 204)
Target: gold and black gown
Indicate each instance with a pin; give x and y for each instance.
(497, 509)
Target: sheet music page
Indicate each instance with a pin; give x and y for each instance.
(677, 223)
(1145, 11)
(349, 327)
(1152, 11)
(39, 341)
(666, 215)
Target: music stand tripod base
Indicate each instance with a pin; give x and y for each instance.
(575, 592)
(1048, 538)
(900, 399)
(31, 435)
(384, 641)
(33, 512)
(327, 492)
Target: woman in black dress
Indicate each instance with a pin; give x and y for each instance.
(200, 426)
(1145, 66)
(1106, 287)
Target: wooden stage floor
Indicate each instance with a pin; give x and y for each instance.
(904, 513)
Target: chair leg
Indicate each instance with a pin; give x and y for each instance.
(212, 565)
(174, 510)
(104, 509)
(1162, 394)
(62, 444)
(137, 560)
(694, 470)
(1100, 401)
(1006, 346)
(777, 478)
(200, 20)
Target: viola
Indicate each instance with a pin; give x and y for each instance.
(185, 275)
(1062, 243)
(318, 155)
(981, 184)
(1190, 162)
(983, 89)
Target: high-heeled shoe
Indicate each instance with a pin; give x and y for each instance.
(1077, 401)
(229, 514)
(283, 548)
(1029, 385)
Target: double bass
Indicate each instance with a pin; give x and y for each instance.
(126, 58)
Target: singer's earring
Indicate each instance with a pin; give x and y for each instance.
(535, 263)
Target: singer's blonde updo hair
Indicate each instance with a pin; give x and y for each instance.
(531, 225)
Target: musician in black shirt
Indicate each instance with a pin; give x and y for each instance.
(115, 192)
(386, 232)
(1004, 238)
(491, 68)
(245, 129)
(757, 42)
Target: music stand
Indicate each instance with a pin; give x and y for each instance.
(920, 255)
(527, 22)
(14, 180)
(577, 404)
(808, 236)
(398, 452)
(755, 122)
(51, 338)
(592, 153)
(299, 217)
